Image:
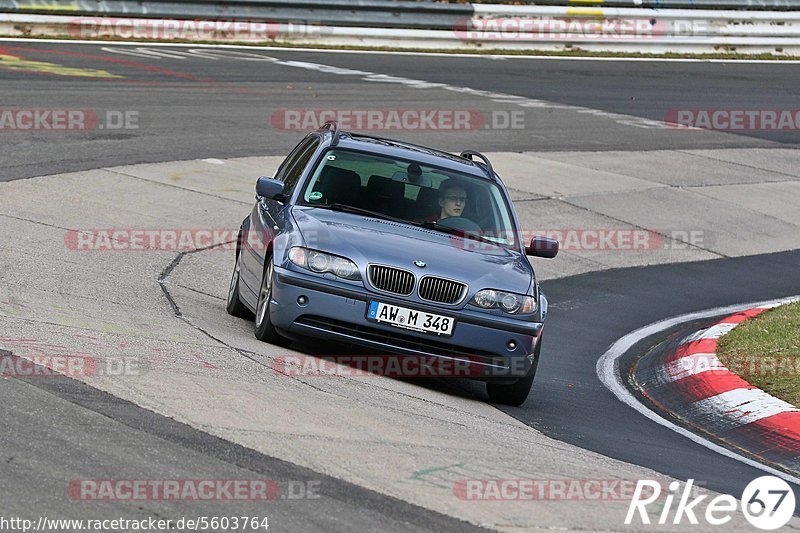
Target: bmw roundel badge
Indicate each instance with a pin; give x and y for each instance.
(420, 264)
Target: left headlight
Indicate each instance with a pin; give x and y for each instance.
(322, 263)
(509, 302)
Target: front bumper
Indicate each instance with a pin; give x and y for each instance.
(336, 310)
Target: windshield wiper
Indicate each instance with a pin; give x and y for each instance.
(361, 211)
(427, 225)
(458, 232)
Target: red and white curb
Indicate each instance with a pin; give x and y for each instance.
(721, 401)
(716, 407)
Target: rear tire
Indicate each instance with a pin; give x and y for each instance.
(264, 329)
(234, 305)
(516, 393)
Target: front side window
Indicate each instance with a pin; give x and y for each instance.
(291, 159)
(293, 173)
(411, 192)
(299, 152)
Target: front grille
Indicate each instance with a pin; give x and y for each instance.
(441, 290)
(392, 280)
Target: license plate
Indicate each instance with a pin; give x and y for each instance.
(411, 319)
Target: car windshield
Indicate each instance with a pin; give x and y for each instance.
(411, 192)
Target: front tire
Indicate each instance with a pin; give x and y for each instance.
(516, 393)
(513, 394)
(264, 329)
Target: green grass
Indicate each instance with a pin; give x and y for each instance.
(765, 351)
(479, 51)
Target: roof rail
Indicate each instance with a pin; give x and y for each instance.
(333, 127)
(467, 154)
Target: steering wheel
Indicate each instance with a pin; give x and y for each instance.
(463, 223)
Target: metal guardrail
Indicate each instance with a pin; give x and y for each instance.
(454, 27)
(662, 22)
(614, 31)
(755, 5)
(359, 13)
(424, 14)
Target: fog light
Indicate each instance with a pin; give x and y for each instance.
(512, 345)
(302, 300)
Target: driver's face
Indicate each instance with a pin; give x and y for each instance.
(453, 202)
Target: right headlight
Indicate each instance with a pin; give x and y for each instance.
(510, 302)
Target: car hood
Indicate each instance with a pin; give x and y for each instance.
(371, 240)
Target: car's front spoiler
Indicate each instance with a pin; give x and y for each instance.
(292, 278)
(336, 311)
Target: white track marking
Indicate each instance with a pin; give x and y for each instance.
(415, 54)
(740, 407)
(771, 305)
(608, 371)
(714, 332)
(717, 330)
(691, 365)
(374, 77)
(619, 118)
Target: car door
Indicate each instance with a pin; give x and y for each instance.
(267, 218)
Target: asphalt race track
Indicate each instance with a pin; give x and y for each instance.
(593, 310)
(227, 104)
(190, 103)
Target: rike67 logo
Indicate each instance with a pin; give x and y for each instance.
(767, 502)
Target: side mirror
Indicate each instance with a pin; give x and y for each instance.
(270, 188)
(542, 247)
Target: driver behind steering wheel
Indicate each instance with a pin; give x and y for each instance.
(452, 199)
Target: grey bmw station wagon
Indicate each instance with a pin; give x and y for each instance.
(396, 248)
